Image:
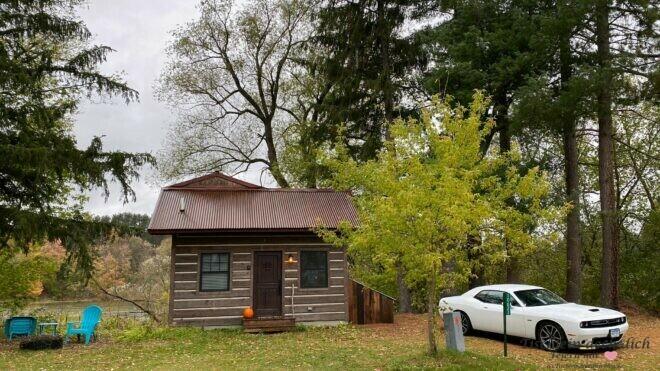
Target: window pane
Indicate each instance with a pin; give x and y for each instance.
(314, 259)
(216, 262)
(481, 296)
(313, 269)
(496, 297)
(215, 282)
(215, 266)
(214, 275)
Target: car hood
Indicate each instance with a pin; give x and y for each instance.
(578, 311)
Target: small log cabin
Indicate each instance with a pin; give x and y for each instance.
(238, 245)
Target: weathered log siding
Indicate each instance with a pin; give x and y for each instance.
(189, 306)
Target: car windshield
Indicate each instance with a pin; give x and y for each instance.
(538, 297)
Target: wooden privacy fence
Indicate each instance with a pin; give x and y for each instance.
(366, 305)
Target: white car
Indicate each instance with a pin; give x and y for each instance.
(538, 314)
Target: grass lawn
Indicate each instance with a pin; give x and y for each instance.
(344, 347)
(398, 346)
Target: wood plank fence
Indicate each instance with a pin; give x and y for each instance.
(366, 305)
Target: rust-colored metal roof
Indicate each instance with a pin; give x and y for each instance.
(222, 208)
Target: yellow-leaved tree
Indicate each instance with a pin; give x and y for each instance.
(431, 190)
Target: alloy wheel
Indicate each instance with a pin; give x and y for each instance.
(465, 324)
(550, 337)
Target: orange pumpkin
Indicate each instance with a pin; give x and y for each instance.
(248, 313)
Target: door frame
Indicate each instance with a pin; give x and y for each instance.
(281, 280)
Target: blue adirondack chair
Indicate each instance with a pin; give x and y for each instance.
(91, 317)
(21, 326)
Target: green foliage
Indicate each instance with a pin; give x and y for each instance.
(131, 224)
(134, 269)
(46, 66)
(365, 65)
(640, 282)
(489, 45)
(430, 189)
(22, 276)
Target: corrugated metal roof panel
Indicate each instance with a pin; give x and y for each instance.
(250, 209)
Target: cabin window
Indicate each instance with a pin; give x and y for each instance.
(214, 275)
(313, 269)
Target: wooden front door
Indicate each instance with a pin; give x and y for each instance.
(267, 283)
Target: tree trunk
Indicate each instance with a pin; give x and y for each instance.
(432, 303)
(512, 266)
(573, 243)
(474, 256)
(502, 120)
(573, 246)
(609, 272)
(513, 271)
(404, 291)
(274, 166)
(151, 314)
(385, 78)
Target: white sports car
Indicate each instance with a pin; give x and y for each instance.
(538, 314)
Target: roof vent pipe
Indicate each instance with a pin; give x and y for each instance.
(182, 204)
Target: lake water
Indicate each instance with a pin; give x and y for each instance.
(71, 309)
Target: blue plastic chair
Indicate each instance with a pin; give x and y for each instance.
(91, 317)
(20, 326)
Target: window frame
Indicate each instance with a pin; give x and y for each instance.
(201, 270)
(514, 301)
(300, 269)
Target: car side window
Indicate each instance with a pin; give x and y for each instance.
(496, 297)
(482, 296)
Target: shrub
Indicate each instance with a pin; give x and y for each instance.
(42, 342)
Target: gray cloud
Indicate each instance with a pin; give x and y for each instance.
(139, 31)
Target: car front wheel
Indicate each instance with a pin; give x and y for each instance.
(551, 336)
(466, 325)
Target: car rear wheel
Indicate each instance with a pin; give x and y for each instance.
(466, 325)
(551, 336)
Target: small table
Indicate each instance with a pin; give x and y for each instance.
(44, 325)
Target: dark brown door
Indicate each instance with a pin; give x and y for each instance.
(267, 283)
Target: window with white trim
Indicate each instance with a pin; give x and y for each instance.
(214, 272)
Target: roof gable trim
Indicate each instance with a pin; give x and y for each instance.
(213, 181)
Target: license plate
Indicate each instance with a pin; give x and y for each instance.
(615, 332)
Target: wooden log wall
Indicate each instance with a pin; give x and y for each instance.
(189, 306)
(366, 305)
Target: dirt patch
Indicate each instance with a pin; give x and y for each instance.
(635, 354)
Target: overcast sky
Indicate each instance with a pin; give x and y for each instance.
(139, 31)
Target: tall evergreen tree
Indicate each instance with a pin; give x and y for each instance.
(46, 66)
(555, 101)
(368, 59)
(625, 34)
(485, 45)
